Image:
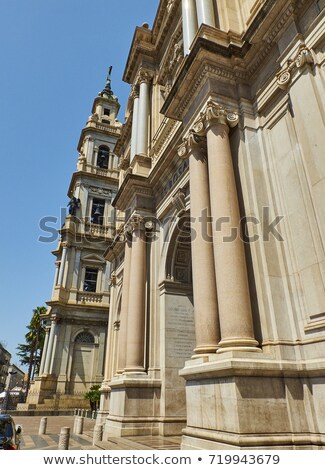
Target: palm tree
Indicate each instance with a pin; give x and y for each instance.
(30, 353)
(93, 395)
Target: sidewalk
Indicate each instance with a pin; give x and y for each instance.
(32, 441)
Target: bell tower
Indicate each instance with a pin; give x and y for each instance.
(77, 318)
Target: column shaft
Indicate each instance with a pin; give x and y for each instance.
(189, 19)
(124, 308)
(135, 120)
(143, 120)
(76, 269)
(137, 303)
(205, 12)
(55, 342)
(62, 265)
(235, 313)
(49, 348)
(46, 342)
(204, 285)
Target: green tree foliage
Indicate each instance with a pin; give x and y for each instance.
(30, 353)
(93, 395)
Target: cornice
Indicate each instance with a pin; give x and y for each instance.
(228, 57)
(132, 185)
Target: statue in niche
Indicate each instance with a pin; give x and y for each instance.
(73, 205)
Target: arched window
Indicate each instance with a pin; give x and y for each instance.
(85, 337)
(103, 157)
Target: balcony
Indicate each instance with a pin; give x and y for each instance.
(89, 298)
(95, 170)
(102, 231)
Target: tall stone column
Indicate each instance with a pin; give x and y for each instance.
(56, 276)
(62, 265)
(144, 79)
(137, 299)
(76, 268)
(205, 12)
(49, 348)
(236, 323)
(189, 19)
(204, 285)
(55, 343)
(121, 362)
(46, 342)
(135, 120)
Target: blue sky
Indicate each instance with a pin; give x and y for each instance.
(54, 59)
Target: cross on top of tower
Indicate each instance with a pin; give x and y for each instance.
(107, 91)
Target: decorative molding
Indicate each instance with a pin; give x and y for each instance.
(163, 137)
(103, 192)
(303, 57)
(179, 202)
(112, 281)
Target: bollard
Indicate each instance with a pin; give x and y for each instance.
(75, 411)
(98, 433)
(93, 415)
(42, 426)
(76, 419)
(79, 425)
(64, 439)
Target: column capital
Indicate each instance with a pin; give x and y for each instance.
(134, 92)
(217, 113)
(143, 76)
(135, 223)
(303, 57)
(193, 142)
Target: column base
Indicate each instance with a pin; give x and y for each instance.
(238, 344)
(134, 407)
(202, 351)
(194, 439)
(251, 400)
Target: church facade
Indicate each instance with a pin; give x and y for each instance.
(190, 270)
(217, 326)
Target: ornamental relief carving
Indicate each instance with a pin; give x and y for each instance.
(302, 58)
(143, 76)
